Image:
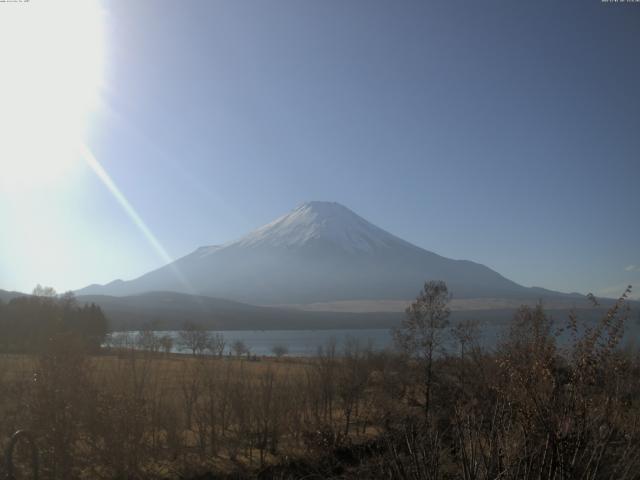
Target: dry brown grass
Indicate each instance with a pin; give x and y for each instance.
(528, 410)
(151, 415)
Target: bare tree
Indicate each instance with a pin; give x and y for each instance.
(326, 369)
(239, 348)
(352, 379)
(121, 340)
(147, 340)
(166, 343)
(280, 350)
(466, 335)
(420, 333)
(47, 292)
(194, 337)
(217, 344)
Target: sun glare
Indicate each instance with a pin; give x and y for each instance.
(51, 55)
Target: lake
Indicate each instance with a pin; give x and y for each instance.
(306, 342)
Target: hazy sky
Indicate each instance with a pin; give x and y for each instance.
(507, 133)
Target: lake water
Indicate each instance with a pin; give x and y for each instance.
(307, 342)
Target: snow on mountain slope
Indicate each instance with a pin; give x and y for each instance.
(325, 221)
(319, 252)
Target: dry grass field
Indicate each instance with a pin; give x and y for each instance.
(527, 409)
(141, 414)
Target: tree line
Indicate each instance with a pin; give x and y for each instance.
(193, 338)
(28, 323)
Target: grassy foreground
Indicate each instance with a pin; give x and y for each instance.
(526, 410)
(136, 414)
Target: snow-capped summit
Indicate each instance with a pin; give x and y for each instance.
(320, 222)
(319, 252)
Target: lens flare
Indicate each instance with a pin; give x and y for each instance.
(52, 68)
(131, 212)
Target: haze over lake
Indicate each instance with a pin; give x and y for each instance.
(305, 343)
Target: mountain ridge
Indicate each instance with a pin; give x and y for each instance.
(170, 310)
(318, 252)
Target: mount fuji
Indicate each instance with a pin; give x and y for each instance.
(319, 252)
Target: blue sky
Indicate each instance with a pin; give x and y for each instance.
(502, 132)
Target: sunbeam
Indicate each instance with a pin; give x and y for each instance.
(131, 212)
